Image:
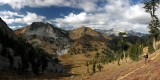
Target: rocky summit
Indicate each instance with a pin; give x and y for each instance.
(52, 39)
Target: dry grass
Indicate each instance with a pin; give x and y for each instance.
(126, 71)
(151, 71)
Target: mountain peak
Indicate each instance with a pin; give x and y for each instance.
(40, 23)
(36, 25)
(84, 28)
(82, 31)
(52, 39)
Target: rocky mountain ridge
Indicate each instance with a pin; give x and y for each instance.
(52, 39)
(20, 57)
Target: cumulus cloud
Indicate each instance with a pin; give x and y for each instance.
(18, 4)
(136, 14)
(83, 19)
(104, 14)
(74, 18)
(32, 17)
(86, 5)
(118, 14)
(16, 18)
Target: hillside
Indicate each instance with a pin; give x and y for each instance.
(129, 70)
(18, 57)
(86, 40)
(82, 31)
(7, 39)
(150, 71)
(20, 31)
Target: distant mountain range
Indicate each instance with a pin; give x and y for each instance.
(113, 32)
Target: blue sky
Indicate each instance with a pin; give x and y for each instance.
(97, 14)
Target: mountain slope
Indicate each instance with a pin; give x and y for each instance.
(20, 31)
(150, 71)
(53, 40)
(131, 70)
(87, 40)
(7, 39)
(79, 32)
(18, 57)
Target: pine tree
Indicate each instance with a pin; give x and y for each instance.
(135, 51)
(122, 44)
(154, 25)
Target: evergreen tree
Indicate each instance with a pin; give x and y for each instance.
(154, 25)
(150, 47)
(107, 56)
(135, 51)
(122, 44)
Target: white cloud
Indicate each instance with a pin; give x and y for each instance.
(105, 14)
(86, 5)
(82, 19)
(16, 18)
(7, 14)
(15, 27)
(74, 19)
(136, 14)
(118, 14)
(32, 17)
